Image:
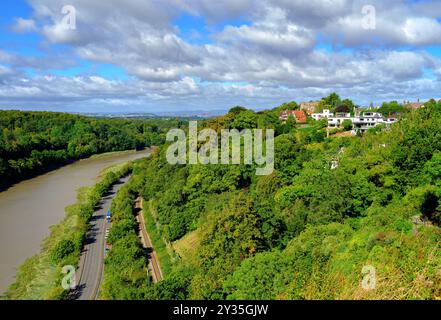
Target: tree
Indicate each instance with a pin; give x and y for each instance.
(256, 277)
(292, 105)
(120, 229)
(32, 142)
(305, 231)
(333, 100)
(342, 109)
(322, 123)
(392, 107)
(230, 236)
(62, 250)
(348, 104)
(237, 110)
(245, 119)
(291, 121)
(347, 124)
(433, 169)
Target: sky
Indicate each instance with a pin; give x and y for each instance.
(185, 55)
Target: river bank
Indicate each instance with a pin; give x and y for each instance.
(40, 277)
(29, 208)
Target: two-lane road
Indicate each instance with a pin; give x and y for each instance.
(92, 258)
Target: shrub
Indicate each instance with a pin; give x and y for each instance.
(62, 250)
(347, 124)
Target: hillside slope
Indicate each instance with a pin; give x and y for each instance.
(368, 229)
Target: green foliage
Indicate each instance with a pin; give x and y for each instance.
(292, 105)
(389, 108)
(125, 270)
(254, 280)
(433, 169)
(374, 198)
(334, 103)
(40, 276)
(244, 120)
(157, 239)
(268, 274)
(32, 142)
(291, 121)
(347, 124)
(237, 110)
(415, 141)
(175, 287)
(120, 229)
(331, 207)
(350, 106)
(62, 250)
(230, 236)
(330, 102)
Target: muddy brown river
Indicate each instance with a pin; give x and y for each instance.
(29, 208)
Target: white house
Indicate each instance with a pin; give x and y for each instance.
(360, 123)
(325, 114)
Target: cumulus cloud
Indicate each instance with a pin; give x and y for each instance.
(397, 24)
(287, 39)
(216, 11)
(422, 31)
(24, 25)
(314, 13)
(279, 50)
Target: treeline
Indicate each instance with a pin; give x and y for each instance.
(336, 104)
(31, 142)
(188, 187)
(332, 207)
(39, 277)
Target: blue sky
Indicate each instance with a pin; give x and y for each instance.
(177, 55)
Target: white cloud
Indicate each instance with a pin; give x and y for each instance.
(422, 31)
(24, 25)
(271, 57)
(287, 39)
(216, 11)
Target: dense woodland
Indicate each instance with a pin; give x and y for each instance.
(304, 232)
(31, 142)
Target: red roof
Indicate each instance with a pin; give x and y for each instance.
(300, 116)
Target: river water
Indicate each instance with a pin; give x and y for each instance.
(29, 208)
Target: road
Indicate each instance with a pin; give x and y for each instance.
(154, 266)
(92, 258)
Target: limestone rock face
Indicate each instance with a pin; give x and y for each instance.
(309, 107)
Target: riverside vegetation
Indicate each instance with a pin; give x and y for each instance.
(33, 142)
(40, 276)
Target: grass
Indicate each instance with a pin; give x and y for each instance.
(187, 246)
(114, 168)
(112, 153)
(165, 252)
